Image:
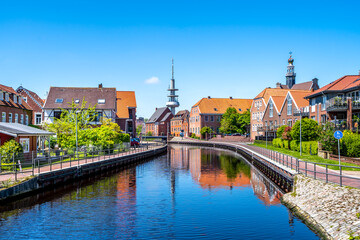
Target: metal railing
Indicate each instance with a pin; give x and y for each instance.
(29, 164)
(327, 172)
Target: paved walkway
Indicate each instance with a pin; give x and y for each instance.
(318, 171)
(66, 164)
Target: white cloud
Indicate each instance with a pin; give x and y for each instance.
(152, 80)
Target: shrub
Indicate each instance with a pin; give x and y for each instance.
(286, 134)
(294, 145)
(277, 142)
(309, 130)
(286, 144)
(327, 140)
(8, 149)
(280, 131)
(350, 144)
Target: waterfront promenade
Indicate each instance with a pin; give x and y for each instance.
(70, 161)
(314, 170)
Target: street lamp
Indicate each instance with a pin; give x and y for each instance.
(76, 113)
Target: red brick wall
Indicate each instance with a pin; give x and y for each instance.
(14, 111)
(32, 104)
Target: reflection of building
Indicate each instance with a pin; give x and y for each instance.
(263, 189)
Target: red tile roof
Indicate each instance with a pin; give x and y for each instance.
(219, 105)
(343, 83)
(302, 86)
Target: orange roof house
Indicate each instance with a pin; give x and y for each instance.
(126, 111)
(219, 105)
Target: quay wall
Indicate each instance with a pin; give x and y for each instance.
(333, 212)
(47, 179)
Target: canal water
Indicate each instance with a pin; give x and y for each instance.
(190, 193)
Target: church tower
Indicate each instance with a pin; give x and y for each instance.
(173, 98)
(290, 75)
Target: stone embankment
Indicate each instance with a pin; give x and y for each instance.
(330, 210)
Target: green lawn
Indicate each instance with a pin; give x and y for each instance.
(308, 158)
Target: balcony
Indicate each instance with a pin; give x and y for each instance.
(341, 124)
(268, 128)
(336, 104)
(304, 112)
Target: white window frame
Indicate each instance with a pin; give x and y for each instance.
(1, 95)
(22, 118)
(271, 109)
(15, 98)
(27, 120)
(25, 143)
(289, 106)
(16, 118)
(3, 117)
(7, 97)
(36, 115)
(10, 117)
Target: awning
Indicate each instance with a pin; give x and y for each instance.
(16, 130)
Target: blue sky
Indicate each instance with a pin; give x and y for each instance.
(221, 48)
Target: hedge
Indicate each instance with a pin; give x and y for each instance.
(306, 146)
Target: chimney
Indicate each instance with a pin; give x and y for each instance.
(230, 97)
(100, 85)
(278, 85)
(155, 109)
(209, 97)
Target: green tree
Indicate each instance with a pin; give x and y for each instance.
(327, 139)
(280, 131)
(234, 122)
(244, 122)
(139, 129)
(309, 130)
(8, 149)
(206, 130)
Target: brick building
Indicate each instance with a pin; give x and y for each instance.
(35, 103)
(284, 110)
(338, 101)
(180, 123)
(159, 123)
(12, 107)
(126, 111)
(208, 112)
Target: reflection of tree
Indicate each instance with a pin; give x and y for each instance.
(232, 166)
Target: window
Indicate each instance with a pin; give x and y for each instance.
(271, 109)
(211, 118)
(289, 106)
(215, 109)
(25, 99)
(25, 143)
(206, 118)
(3, 117)
(98, 117)
(7, 97)
(16, 118)
(101, 101)
(239, 109)
(1, 95)
(10, 118)
(77, 101)
(283, 121)
(323, 103)
(27, 120)
(218, 118)
(275, 123)
(57, 114)
(59, 100)
(22, 118)
(38, 118)
(289, 122)
(15, 98)
(20, 101)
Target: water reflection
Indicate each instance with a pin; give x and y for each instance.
(213, 169)
(189, 193)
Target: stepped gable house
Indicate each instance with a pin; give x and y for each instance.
(159, 123)
(338, 101)
(208, 112)
(180, 123)
(60, 98)
(126, 111)
(35, 103)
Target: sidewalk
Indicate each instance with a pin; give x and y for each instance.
(348, 178)
(67, 164)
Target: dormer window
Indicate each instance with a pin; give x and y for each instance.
(240, 109)
(25, 99)
(7, 97)
(215, 109)
(59, 100)
(20, 101)
(1, 95)
(15, 98)
(101, 101)
(77, 100)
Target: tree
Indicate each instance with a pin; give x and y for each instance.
(280, 131)
(139, 129)
(309, 130)
(327, 139)
(234, 122)
(206, 130)
(8, 149)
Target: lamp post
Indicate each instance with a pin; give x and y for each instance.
(300, 134)
(76, 113)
